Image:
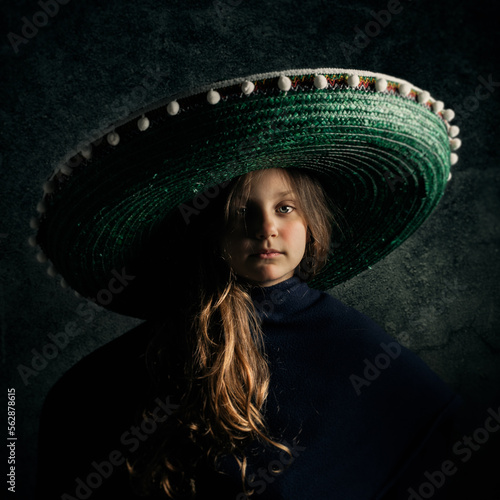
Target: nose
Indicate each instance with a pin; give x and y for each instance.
(264, 226)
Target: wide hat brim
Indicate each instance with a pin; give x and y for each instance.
(381, 148)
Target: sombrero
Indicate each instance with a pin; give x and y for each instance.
(380, 146)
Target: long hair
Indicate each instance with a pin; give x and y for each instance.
(213, 357)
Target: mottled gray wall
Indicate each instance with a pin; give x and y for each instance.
(93, 62)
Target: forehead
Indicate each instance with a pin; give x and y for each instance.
(273, 179)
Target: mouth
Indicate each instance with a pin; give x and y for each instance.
(267, 254)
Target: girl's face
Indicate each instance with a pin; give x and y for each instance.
(268, 238)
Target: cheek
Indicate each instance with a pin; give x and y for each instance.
(296, 235)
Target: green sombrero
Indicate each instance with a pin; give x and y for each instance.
(381, 147)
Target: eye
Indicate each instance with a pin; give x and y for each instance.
(285, 209)
(241, 211)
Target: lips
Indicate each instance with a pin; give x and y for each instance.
(267, 253)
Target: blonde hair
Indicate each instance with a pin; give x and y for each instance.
(217, 359)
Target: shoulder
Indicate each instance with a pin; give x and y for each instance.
(364, 355)
(348, 325)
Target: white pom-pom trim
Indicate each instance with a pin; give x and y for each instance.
(86, 152)
(247, 87)
(449, 177)
(453, 158)
(284, 83)
(173, 108)
(404, 89)
(41, 257)
(49, 187)
(64, 283)
(455, 144)
(51, 271)
(143, 123)
(423, 97)
(437, 106)
(34, 223)
(453, 131)
(41, 207)
(380, 84)
(213, 97)
(448, 114)
(32, 241)
(353, 81)
(113, 138)
(66, 170)
(320, 82)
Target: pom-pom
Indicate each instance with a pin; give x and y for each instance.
(453, 131)
(63, 283)
(213, 97)
(113, 138)
(455, 144)
(437, 106)
(41, 257)
(404, 89)
(143, 123)
(49, 187)
(423, 97)
(448, 114)
(353, 81)
(41, 207)
(453, 158)
(86, 151)
(247, 87)
(66, 169)
(284, 83)
(34, 223)
(449, 177)
(32, 241)
(320, 82)
(173, 108)
(380, 84)
(51, 271)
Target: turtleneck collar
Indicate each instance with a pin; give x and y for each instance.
(278, 302)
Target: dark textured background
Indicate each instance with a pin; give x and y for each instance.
(93, 63)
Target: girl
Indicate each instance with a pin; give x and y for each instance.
(255, 384)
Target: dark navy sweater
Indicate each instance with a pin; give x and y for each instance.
(364, 417)
(364, 414)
